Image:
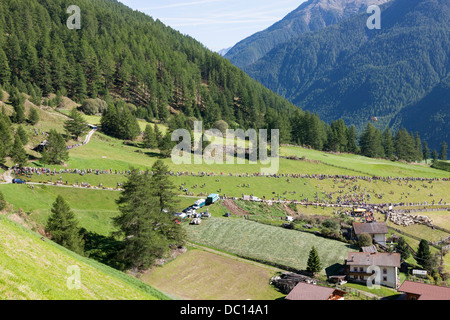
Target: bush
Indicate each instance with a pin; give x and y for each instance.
(93, 106)
(331, 224)
(365, 240)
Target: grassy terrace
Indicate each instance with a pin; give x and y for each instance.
(266, 243)
(34, 269)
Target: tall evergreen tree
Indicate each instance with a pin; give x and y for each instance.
(18, 153)
(55, 152)
(314, 265)
(443, 151)
(149, 139)
(5, 139)
(75, 126)
(388, 144)
(63, 226)
(5, 71)
(371, 142)
(423, 253)
(33, 118)
(426, 151)
(147, 233)
(402, 248)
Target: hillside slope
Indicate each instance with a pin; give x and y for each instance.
(33, 269)
(348, 71)
(123, 53)
(309, 16)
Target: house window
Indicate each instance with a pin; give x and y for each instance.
(384, 279)
(361, 269)
(355, 269)
(384, 271)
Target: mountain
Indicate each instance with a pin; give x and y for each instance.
(348, 71)
(126, 54)
(309, 16)
(223, 52)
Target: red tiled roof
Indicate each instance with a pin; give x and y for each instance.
(306, 291)
(425, 291)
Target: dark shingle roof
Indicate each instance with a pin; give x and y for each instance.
(370, 228)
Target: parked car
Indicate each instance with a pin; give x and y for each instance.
(18, 181)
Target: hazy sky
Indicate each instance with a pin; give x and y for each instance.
(217, 24)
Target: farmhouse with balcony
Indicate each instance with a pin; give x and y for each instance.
(358, 263)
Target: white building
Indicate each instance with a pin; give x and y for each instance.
(378, 231)
(386, 264)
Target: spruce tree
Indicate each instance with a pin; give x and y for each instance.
(426, 151)
(5, 139)
(55, 152)
(388, 144)
(18, 153)
(146, 232)
(149, 140)
(2, 201)
(314, 265)
(443, 152)
(63, 226)
(75, 126)
(5, 71)
(22, 134)
(423, 253)
(33, 118)
(403, 248)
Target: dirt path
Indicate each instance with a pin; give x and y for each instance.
(233, 208)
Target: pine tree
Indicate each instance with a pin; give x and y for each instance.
(426, 151)
(17, 101)
(55, 152)
(443, 152)
(75, 126)
(371, 142)
(405, 146)
(314, 265)
(5, 71)
(22, 134)
(2, 201)
(163, 188)
(5, 138)
(402, 248)
(63, 226)
(158, 135)
(423, 253)
(149, 140)
(33, 118)
(147, 233)
(18, 153)
(388, 144)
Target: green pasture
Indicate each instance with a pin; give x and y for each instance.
(32, 269)
(268, 243)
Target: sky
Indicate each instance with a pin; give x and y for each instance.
(218, 24)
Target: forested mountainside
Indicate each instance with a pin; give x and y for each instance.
(125, 53)
(348, 71)
(311, 15)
